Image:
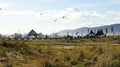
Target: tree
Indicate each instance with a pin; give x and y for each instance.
(112, 30)
(88, 30)
(106, 30)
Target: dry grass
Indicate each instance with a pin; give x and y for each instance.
(102, 52)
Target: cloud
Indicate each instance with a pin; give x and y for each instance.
(114, 15)
(14, 12)
(117, 18)
(114, 12)
(3, 5)
(114, 2)
(95, 14)
(71, 14)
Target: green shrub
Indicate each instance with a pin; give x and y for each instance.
(115, 63)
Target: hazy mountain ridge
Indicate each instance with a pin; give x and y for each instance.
(86, 30)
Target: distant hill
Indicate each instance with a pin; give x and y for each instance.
(86, 30)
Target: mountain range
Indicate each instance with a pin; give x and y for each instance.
(107, 29)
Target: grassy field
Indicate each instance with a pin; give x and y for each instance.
(95, 52)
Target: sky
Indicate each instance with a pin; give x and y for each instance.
(50, 16)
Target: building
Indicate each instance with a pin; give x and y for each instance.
(32, 35)
(91, 34)
(100, 33)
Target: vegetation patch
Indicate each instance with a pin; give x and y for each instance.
(60, 53)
